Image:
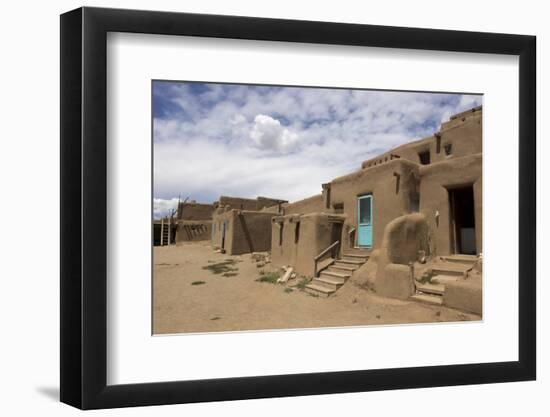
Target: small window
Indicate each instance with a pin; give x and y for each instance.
(297, 233)
(448, 149)
(338, 208)
(424, 157)
(281, 234)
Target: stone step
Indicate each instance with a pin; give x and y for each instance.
(343, 275)
(340, 268)
(329, 282)
(461, 259)
(347, 261)
(450, 268)
(437, 289)
(351, 255)
(318, 290)
(428, 299)
(360, 250)
(444, 279)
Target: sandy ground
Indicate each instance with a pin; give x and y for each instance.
(228, 303)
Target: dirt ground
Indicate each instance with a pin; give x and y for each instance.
(187, 298)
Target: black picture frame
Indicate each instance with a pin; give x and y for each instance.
(84, 207)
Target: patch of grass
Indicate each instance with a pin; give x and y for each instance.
(288, 290)
(198, 282)
(271, 278)
(215, 318)
(303, 282)
(222, 267)
(229, 274)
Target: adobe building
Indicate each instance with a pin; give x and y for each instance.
(421, 197)
(193, 222)
(241, 225)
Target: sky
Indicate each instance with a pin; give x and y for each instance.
(282, 142)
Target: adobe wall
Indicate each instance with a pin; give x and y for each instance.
(195, 211)
(393, 185)
(314, 236)
(307, 205)
(436, 179)
(408, 151)
(463, 132)
(238, 203)
(221, 216)
(191, 231)
(250, 204)
(245, 231)
(250, 232)
(262, 202)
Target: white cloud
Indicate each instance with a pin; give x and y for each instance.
(162, 207)
(269, 134)
(284, 142)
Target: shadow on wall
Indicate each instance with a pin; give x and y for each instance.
(246, 232)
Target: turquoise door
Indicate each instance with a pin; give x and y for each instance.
(364, 221)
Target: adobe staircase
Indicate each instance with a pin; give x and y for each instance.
(338, 271)
(449, 268)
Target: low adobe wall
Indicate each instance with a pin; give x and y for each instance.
(465, 295)
(404, 237)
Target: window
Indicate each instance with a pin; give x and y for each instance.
(297, 233)
(364, 210)
(424, 157)
(448, 149)
(338, 207)
(281, 234)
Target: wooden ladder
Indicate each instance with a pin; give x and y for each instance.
(165, 231)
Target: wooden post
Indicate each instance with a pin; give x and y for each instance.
(161, 231)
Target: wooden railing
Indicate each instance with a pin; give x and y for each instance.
(332, 249)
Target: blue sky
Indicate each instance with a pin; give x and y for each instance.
(284, 142)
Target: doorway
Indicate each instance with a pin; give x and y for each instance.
(462, 220)
(223, 236)
(364, 221)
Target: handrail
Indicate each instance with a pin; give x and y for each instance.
(325, 251)
(351, 230)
